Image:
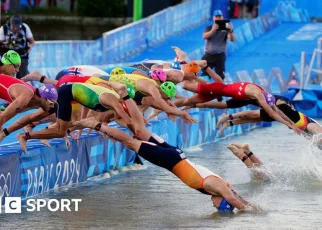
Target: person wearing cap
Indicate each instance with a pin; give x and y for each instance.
(238, 91)
(216, 43)
(16, 35)
(140, 130)
(197, 177)
(10, 63)
(21, 96)
(306, 124)
(160, 90)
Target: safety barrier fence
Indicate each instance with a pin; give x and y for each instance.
(48, 168)
(123, 43)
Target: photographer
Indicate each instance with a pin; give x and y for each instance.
(17, 36)
(216, 36)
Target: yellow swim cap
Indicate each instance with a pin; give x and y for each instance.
(117, 71)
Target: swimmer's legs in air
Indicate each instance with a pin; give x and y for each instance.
(243, 152)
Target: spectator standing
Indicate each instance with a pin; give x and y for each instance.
(216, 43)
(16, 35)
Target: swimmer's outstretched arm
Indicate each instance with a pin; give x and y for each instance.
(37, 76)
(283, 115)
(161, 104)
(232, 197)
(154, 113)
(262, 101)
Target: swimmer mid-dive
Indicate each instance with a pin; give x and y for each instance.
(243, 152)
(174, 160)
(308, 126)
(21, 97)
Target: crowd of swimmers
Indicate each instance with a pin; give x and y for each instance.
(87, 97)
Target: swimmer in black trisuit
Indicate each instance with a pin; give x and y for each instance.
(195, 176)
(303, 122)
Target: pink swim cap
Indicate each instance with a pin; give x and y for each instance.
(159, 75)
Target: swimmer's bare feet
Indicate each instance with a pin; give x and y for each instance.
(223, 127)
(23, 142)
(238, 152)
(180, 54)
(224, 118)
(86, 123)
(244, 147)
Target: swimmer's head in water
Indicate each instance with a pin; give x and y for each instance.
(192, 67)
(49, 92)
(11, 58)
(225, 206)
(159, 75)
(175, 65)
(169, 89)
(117, 71)
(270, 99)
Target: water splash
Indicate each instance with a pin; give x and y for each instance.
(301, 168)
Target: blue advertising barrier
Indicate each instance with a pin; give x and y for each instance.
(313, 8)
(10, 172)
(47, 168)
(123, 43)
(65, 53)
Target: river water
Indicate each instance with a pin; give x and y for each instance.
(153, 198)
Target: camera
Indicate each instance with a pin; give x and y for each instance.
(16, 42)
(222, 24)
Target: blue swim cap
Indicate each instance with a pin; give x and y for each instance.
(225, 206)
(217, 13)
(175, 65)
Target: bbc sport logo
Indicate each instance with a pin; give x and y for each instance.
(13, 205)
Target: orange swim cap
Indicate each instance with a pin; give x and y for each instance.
(192, 67)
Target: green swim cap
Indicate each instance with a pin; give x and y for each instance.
(169, 88)
(117, 71)
(11, 57)
(130, 90)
